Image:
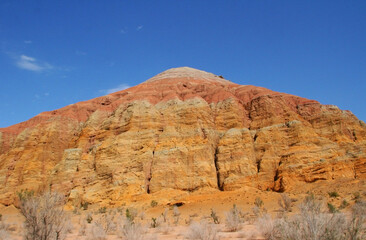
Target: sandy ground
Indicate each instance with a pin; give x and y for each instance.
(197, 207)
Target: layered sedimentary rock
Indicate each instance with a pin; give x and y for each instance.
(183, 129)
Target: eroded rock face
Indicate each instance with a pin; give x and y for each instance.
(183, 129)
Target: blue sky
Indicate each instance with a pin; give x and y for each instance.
(55, 53)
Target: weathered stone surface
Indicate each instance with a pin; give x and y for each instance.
(182, 130)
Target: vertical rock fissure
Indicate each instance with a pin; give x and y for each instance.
(258, 165)
(219, 186)
(148, 179)
(150, 164)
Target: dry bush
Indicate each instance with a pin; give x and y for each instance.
(131, 231)
(233, 219)
(202, 231)
(44, 216)
(310, 223)
(82, 229)
(356, 225)
(176, 215)
(267, 226)
(165, 214)
(285, 203)
(214, 216)
(96, 232)
(4, 229)
(107, 222)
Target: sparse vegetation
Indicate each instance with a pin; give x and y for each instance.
(202, 231)
(332, 208)
(356, 226)
(89, 218)
(153, 203)
(333, 194)
(344, 204)
(233, 219)
(102, 210)
(258, 202)
(131, 214)
(96, 232)
(285, 203)
(44, 216)
(84, 205)
(4, 228)
(356, 196)
(313, 223)
(176, 215)
(214, 216)
(131, 231)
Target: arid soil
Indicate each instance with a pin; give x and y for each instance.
(197, 207)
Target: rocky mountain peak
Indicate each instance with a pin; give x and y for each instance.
(187, 73)
(183, 130)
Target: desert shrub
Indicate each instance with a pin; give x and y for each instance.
(25, 194)
(310, 223)
(131, 231)
(233, 219)
(44, 216)
(176, 215)
(96, 232)
(131, 214)
(165, 214)
(266, 226)
(333, 194)
(82, 228)
(153, 203)
(4, 229)
(258, 202)
(202, 231)
(89, 218)
(331, 208)
(214, 216)
(84, 205)
(285, 203)
(356, 225)
(107, 222)
(357, 197)
(156, 222)
(102, 210)
(344, 204)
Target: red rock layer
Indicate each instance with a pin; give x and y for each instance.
(183, 129)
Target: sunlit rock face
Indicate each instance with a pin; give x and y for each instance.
(185, 130)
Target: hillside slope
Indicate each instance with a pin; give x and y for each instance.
(183, 130)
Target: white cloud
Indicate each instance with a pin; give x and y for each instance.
(120, 87)
(31, 64)
(27, 42)
(139, 27)
(123, 31)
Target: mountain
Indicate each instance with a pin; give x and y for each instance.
(183, 130)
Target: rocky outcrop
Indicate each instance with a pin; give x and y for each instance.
(184, 130)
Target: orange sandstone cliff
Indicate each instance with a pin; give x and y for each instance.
(182, 130)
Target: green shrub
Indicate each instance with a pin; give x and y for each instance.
(25, 194)
(153, 203)
(102, 210)
(344, 204)
(89, 218)
(332, 208)
(333, 194)
(258, 202)
(214, 217)
(131, 214)
(84, 205)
